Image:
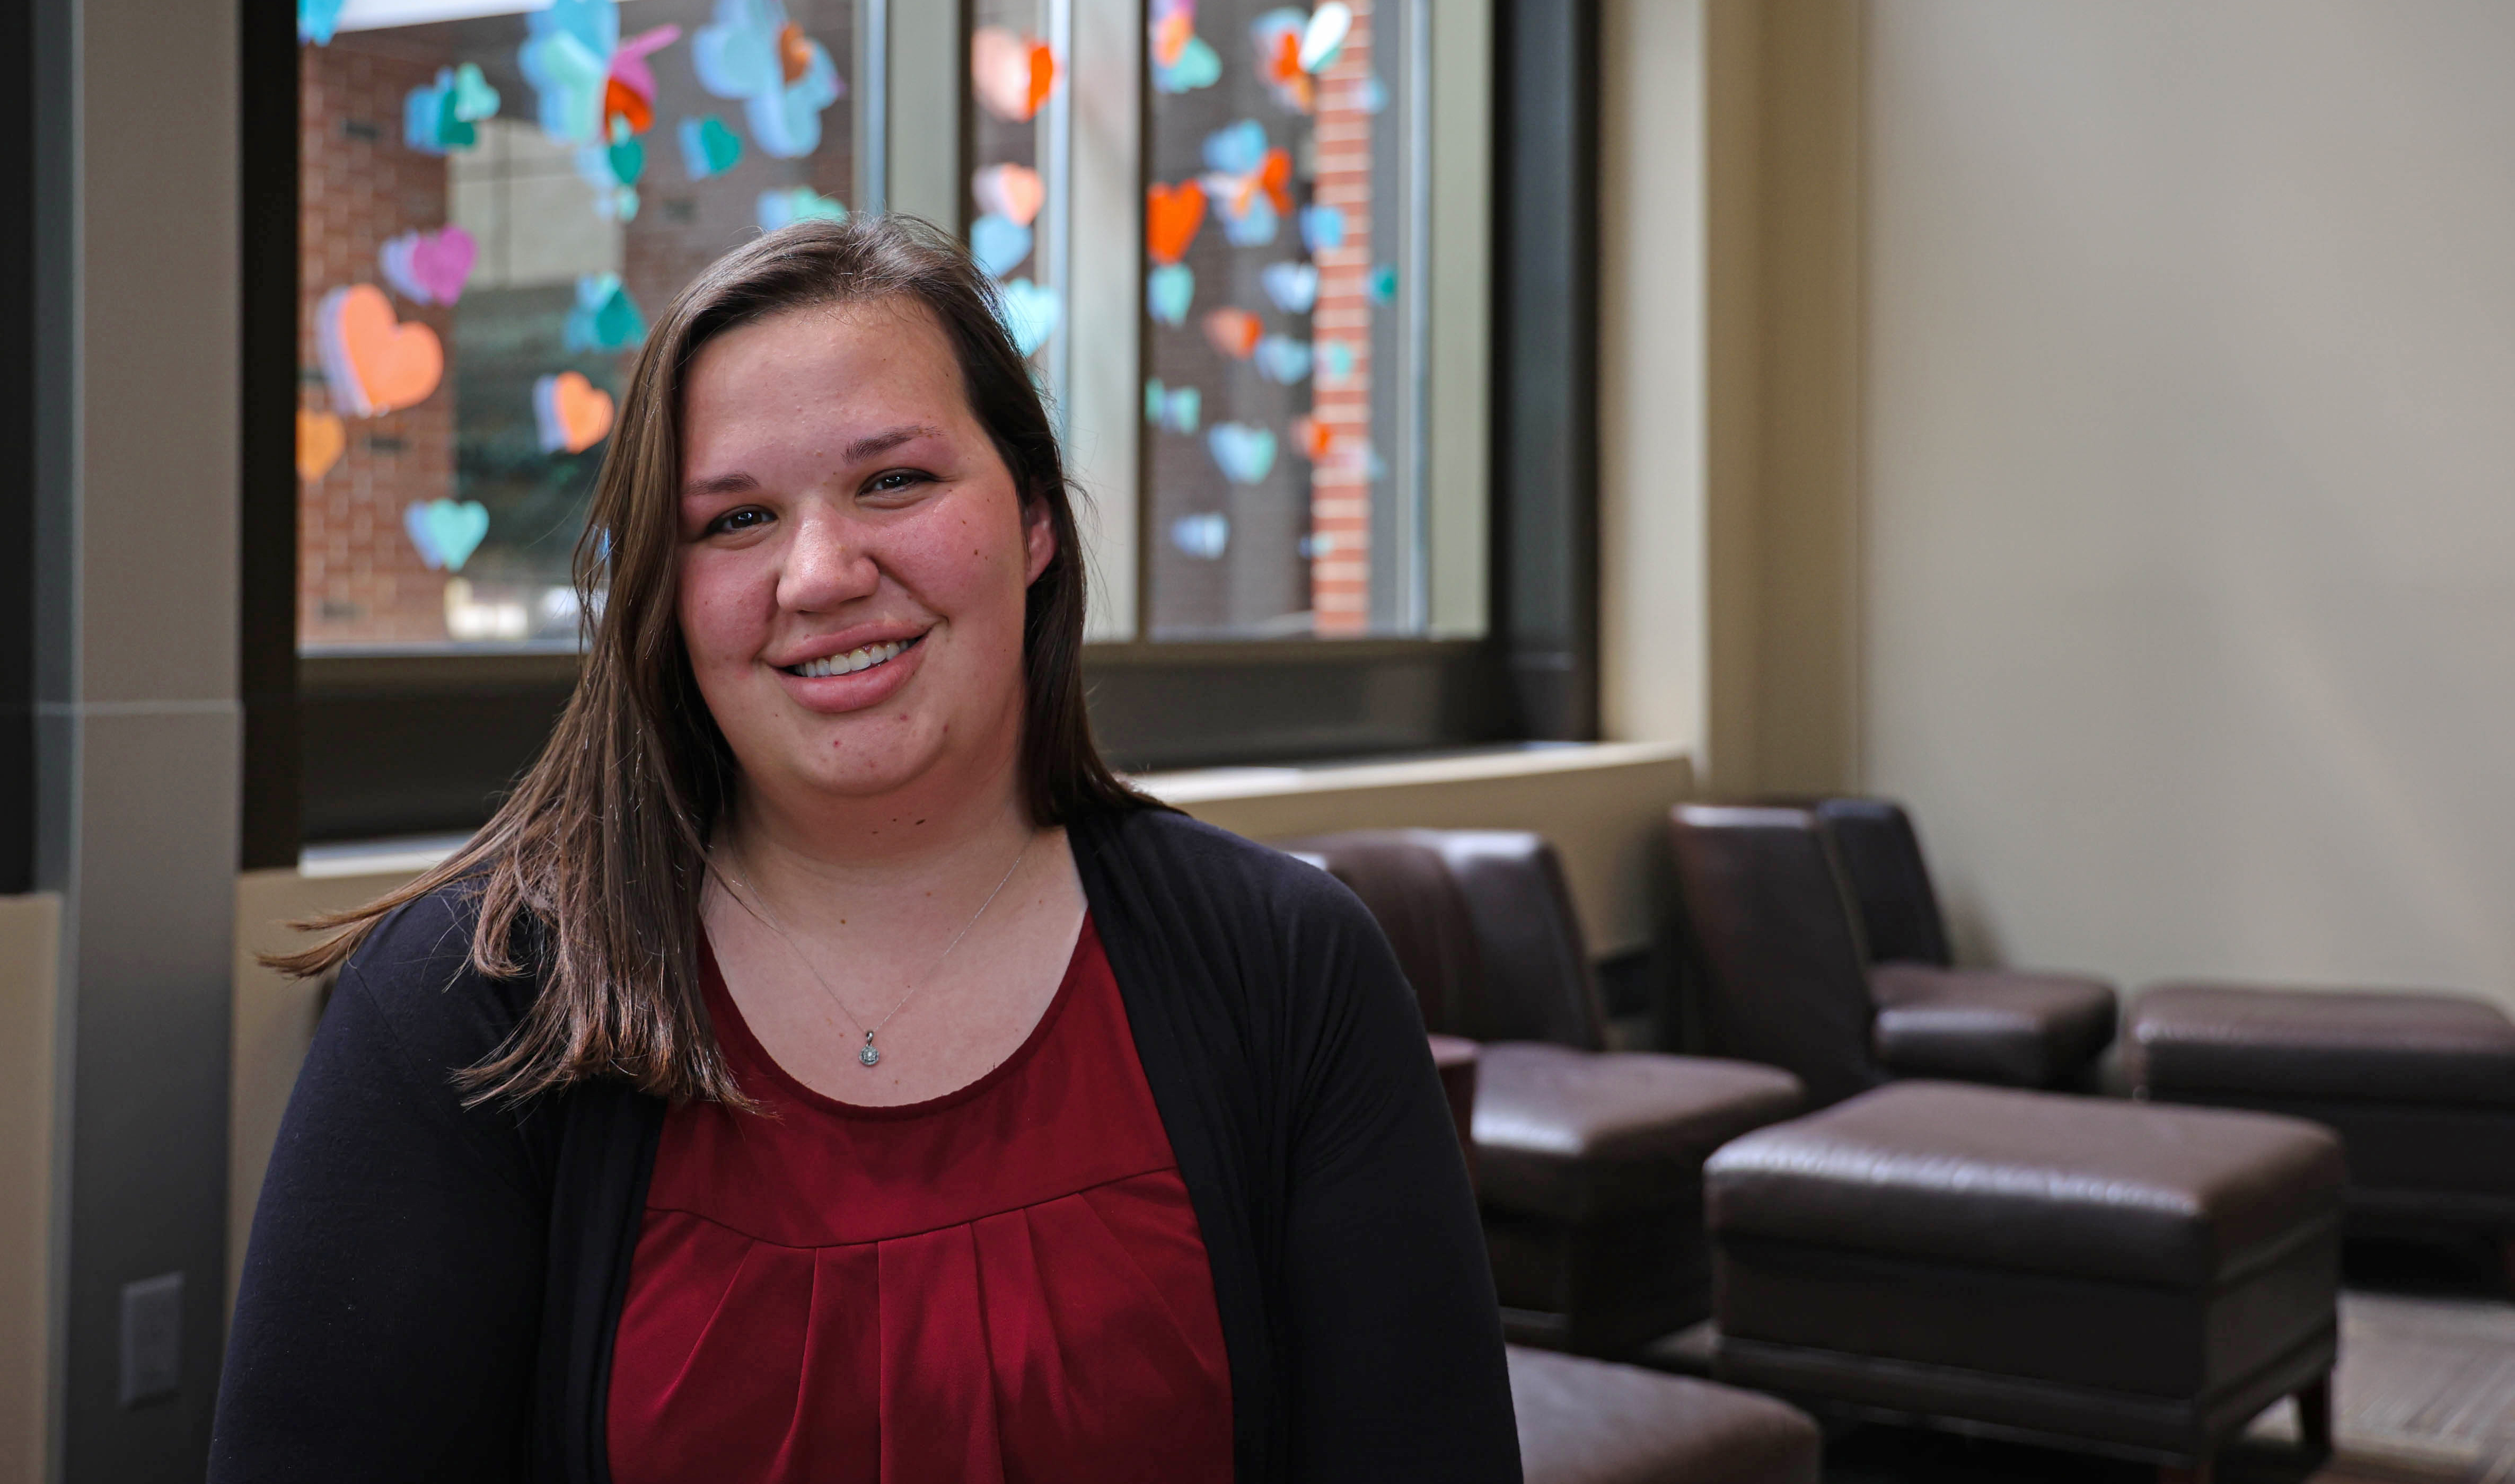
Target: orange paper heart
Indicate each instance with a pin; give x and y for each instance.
(1234, 331)
(319, 441)
(1011, 75)
(572, 413)
(1275, 177)
(1171, 216)
(374, 363)
(1311, 437)
(1012, 192)
(1043, 73)
(794, 52)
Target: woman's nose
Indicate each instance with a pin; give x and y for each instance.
(827, 562)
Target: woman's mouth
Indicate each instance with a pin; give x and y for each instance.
(864, 658)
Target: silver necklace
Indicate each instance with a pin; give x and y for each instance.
(871, 1057)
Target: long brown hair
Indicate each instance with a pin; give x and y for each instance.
(589, 876)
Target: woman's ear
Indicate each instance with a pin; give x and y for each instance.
(1039, 540)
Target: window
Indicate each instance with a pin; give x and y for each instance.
(493, 199)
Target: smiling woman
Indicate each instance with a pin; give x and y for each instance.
(823, 1067)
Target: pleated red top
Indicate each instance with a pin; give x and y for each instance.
(1005, 1283)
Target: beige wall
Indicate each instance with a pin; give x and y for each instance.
(30, 988)
(2188, 589)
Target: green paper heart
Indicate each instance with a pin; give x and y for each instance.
(709, 148)
(453, 131)
(474, 99)
(628, 161)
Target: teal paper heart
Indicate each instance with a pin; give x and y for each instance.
(474, 99)
(446, 532)
(605, 317)
(1169, 291)
(998, 243)
(708, 146)
(1199, 67)
(1030, 313)
(1336, 360)
(800, 204)
(1383, 283)
(1243, 451)
(1175, 409)
(628, 161)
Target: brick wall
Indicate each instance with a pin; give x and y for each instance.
(1341, 483)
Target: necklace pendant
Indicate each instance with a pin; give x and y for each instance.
(869, 1057)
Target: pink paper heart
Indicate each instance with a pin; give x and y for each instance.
(431, 268)
(1013, 191)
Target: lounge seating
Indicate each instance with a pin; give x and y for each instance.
(1788, 979)
(1589, 1421)
(2111, 1276)
(1589, 1161)
(2419, 1086)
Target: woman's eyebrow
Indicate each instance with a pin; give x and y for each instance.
(883, 443)
(720, 484)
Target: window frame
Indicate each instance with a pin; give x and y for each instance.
(347, 745)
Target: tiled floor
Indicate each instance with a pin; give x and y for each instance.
(2425, 1394)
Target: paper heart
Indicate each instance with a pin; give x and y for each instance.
(625, 110)
(708, 146)
(566, 56)
(605, 317)
(474, 99)
(1383, 283)
(1322, 229)
(1323, 39)
(1275, 40)
(1169, 290)
(628, 161)
(1291, 286)
(1011, 75)
(371, 363)
(1275, 177)
(1236, 148)
(316, 20)
(1176, 408)
(800, 204)
(1233, 332)
(446, 532)
(1030, 313)
(430, 267)
(794, 52)
(570, 414)
(430, 122)
(1203, 537)
(321, 438)
(1243, 451)
(1282, 360)
(1336, 360)
(630, 71)
(1253, 220)
(751, 52)
(1171, 216)
(1370, 93)
(1014, 192)
(1311, 437)
(1198, 66)
(998, 243)
(1173, 24)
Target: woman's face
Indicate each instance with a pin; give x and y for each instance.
(854, 555)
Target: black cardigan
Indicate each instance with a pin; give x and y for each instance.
(431, 1290)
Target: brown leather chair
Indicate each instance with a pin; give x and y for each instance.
(1591, 1421)
(1889, 880)
(1787, 978)
(1589, 1161)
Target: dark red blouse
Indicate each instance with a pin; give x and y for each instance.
(1005, 1283)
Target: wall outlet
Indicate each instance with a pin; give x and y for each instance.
(152, 1338)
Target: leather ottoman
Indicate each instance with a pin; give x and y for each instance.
(2118, 1277)
(1586, 1422)
(2419, 1086)
(1589, 1170)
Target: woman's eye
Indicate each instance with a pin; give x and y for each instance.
(894, 482)
(743, 520)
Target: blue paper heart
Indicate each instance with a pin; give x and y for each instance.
(316, 21)
(708, 146)
(1293, 286)
(446, 532)
(1169, 291)
(605, 317)
(1254, 227)
(1030, 313)
(1199, 67)
(474, 99)
(1279, 358)
(1236, 148)
(998, 243)
(796, 203)
(1322, 229)
(1243, 451)
(1336, 360)
(1203, 537)
(1176, 408)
